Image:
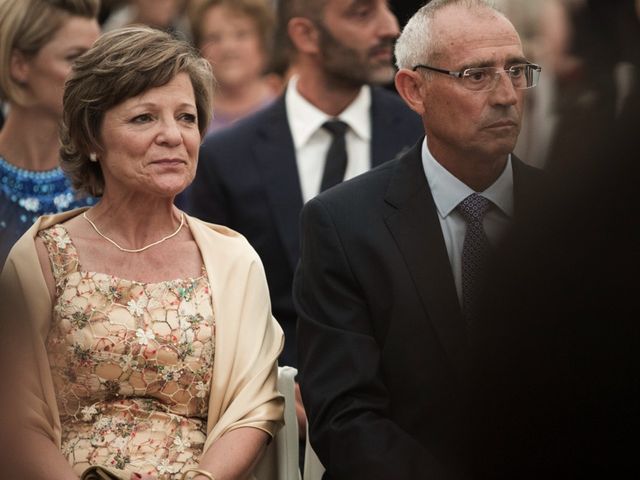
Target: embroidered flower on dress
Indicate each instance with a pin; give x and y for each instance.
(181, 444)
(120, 461)
(145, 336)
(137, 308)
(88, 413)
(82, 354)
(170, 375)
(127, 360)
(165, 467)
(202, 390)
(79, 320)
(62, 242)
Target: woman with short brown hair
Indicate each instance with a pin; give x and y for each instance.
(155, 346)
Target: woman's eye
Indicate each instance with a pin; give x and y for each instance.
(189, 117)
(242, 34)
(71, 56)
(144, 118)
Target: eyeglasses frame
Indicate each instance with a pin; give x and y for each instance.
(464, 73)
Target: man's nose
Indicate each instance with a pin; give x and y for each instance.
(504, 92)
(388, 24)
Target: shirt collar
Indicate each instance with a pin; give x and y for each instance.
(305, 119)
(448, 191)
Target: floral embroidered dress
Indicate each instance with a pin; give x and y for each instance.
(131, 364)
(25, 195)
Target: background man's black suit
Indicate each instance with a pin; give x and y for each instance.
(248, 180)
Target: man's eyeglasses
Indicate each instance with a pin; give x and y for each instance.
(482, 79)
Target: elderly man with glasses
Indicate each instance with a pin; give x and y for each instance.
(387, 286)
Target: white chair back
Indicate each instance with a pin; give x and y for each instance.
(280, 461)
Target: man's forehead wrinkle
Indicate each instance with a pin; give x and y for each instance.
(481, 47)
(459, 23)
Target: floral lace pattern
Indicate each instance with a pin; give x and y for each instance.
(131, 364)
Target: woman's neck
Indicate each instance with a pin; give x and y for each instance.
(29, 139)
(134, 221)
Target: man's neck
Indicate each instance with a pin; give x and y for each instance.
(331, 97)
(478, 174)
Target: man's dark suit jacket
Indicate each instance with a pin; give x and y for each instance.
(247, 179)
(382, 343)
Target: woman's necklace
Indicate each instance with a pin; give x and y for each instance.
(134, 250)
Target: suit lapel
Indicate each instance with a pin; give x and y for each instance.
(527, 184)
(275, 155)
(416, 229)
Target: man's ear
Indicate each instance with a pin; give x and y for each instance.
(304, 35)
(409, 85)
(19, 67)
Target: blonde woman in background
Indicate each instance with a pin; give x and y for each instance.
(39, 40)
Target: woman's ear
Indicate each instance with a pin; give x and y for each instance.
(410, 85)
(19, 67)
(304, 35)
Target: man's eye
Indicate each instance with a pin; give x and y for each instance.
(517, 71)
(477, 75)
(360, 12)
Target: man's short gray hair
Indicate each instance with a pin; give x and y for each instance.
(416, 44)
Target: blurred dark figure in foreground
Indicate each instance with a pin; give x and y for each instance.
(603, 86)
(557, 364)
(556, 390)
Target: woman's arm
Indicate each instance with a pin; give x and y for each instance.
(234, 455)
(30, 452)
(42, 460)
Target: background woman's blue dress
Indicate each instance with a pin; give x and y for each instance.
(25, 195)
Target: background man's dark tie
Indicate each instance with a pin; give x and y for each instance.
(336, 160)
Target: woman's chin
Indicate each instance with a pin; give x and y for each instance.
(172, 185)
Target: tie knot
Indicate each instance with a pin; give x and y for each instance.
(474, 207)
(335, 127)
